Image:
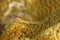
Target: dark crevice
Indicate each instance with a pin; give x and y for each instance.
(1, 28)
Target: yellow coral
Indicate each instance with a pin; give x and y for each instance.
(38, 10)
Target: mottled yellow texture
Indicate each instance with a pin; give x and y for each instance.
(45, 14)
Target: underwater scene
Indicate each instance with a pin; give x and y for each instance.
(29, 19)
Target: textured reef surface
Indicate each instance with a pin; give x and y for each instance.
(30, 20)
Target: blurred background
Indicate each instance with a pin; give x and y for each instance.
(39, 9)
